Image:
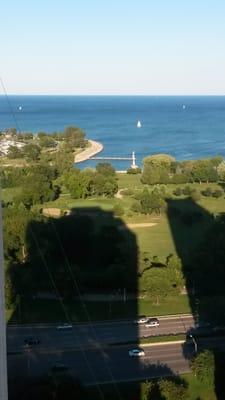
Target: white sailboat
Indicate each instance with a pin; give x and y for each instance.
(139, 124)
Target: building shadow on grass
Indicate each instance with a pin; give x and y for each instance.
(199, 238)
(78, 268)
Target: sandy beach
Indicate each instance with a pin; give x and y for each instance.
(92, 150)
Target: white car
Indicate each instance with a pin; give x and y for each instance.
(152, 322)
(64, 326)
(136, 353)
(141, 320)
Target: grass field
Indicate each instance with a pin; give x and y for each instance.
(52, 311)
(132, 391)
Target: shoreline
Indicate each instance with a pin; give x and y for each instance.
(91, 151)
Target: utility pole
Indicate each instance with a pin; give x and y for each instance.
(3, 352)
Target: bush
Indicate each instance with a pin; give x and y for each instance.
(207, 192)
(195, 196)
(136, 207)
(134, 171)
(187, 191)
(177, 192)
(118, 210)
(217, 193)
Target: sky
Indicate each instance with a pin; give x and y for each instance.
(143, 47)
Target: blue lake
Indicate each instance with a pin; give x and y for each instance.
(184, 126)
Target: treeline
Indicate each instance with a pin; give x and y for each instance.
(68, 140)
(41, 182)
(163, 168)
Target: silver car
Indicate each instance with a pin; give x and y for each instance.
(136, 352)
(141, 320)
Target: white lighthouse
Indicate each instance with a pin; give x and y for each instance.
(133, 165)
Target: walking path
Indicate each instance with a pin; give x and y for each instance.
(142, 225)
(94, 148)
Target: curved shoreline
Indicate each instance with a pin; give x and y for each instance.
(91, 151)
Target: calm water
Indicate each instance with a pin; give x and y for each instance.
(194, 131)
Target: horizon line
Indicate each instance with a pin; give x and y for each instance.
(114, 94)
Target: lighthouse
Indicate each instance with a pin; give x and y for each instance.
(133, 165)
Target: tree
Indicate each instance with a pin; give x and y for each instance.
(9, 292)
(105, 169)
(62, 161)
(37, 188)
(151, 202)
(32, 152)
(14, 152)
(103, 185)
(204, 171)
(172, 390)
(165, 159)
(47, 141)
(74, 137)
(163, 279)
(221, 170)
(203, 366)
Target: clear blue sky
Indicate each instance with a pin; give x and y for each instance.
(113, 46)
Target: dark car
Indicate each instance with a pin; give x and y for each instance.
(152, 322)
(31, 341)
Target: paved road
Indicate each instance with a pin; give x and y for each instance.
(113, 363)
(86, 335)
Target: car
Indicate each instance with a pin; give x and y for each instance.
(58, 367)
(152, 322)
(64, 326)
(141, 320)
(136, 352)
(31, 341)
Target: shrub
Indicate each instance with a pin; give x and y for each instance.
(217, 193)
(136, 207)
(195, 196)
(177, 191)
(118, 210)
(187, 191)
(134, 171)
(207, 192)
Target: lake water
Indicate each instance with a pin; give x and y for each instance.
(183, 126)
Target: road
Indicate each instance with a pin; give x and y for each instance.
(112, 363)
(83, 336)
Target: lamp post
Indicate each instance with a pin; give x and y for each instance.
(3, 353)
(195, 343)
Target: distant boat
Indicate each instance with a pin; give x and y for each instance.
(139, 124)
(183, 106)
